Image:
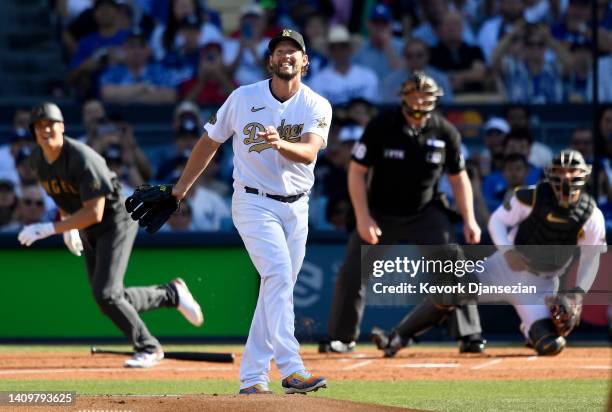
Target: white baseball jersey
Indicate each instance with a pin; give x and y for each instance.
(249, 110)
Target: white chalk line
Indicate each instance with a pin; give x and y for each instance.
(426, 365)
(357, 365)
(532, 358)
(88, 370)
(486, 364)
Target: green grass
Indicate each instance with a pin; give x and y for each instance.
(526, 395)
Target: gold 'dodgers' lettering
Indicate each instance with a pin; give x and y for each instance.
(289, 132)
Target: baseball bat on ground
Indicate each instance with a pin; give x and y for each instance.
(192, 356)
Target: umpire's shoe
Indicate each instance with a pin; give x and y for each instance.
(144, 359)
(472, 344)
(187, 305)
(389, 344)
(302, 382)
(336, 346)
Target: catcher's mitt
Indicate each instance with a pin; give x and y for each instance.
(565, 310)
(151, 206)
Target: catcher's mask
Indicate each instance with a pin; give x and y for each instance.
(419, 95)
(567, 175)
(45, 111)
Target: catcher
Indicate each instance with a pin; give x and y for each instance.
(94, 222)
(538, 232)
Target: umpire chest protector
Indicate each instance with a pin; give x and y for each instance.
(550, 224)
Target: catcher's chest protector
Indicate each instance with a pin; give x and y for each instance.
(551, 224)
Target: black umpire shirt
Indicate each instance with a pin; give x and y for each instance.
(79, 174)
(404, 167)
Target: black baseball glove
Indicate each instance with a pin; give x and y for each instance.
(151, 206)
(565, 310)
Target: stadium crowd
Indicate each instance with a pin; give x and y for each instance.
(176, 52)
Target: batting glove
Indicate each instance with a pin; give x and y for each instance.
(37, 231)
(73, 242)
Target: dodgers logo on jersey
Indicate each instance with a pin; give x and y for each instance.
(289, 132)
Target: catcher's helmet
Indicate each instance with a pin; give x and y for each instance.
(567, 175)
(419, 94)
(45, 111)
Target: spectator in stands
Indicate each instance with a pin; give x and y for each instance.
(491, 157)
(343, 80)
(518, 141)
(185, 138)
(245, 55)
(515, 169)
(24, 170)
(19, 137)
(136, 80)
(181, 220)
(315, 30)
(126, 172)
(416, 58)
(496, 27)
(31, 205)
(213, 81)
(434, 11)
(166, 37)
(381, 51)
(8, 204)
(92, 113)
(120, 135)
(360, 111)
(97, 50)
(527, 75)
(582, 141)
(462, 63)
(577, 80)
(182, 60)
(208, 209)
(605, 79)
(519, 117)
(572, 28)
(543, 11)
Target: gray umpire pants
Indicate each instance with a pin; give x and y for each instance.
(431, 226)
(107, 247)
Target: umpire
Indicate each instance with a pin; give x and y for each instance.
(87, 195)
(393, 178)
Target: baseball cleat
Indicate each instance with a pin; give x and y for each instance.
(257, 389)
(389, 344)
(302, 382)
(336, 346)
(144, 359)
(550, 345)
(187, 305)
(472, 345)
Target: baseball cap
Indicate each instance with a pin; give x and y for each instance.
(380, 12)
(338, 34)
(112, 153)
(188, 125)
(252, 9)
(287, 34)
(7, 185)
(186, 107)
(497, 123)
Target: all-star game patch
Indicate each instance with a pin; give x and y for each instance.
(213, 119)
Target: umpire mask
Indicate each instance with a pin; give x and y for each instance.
(419, 95)
(567, 174)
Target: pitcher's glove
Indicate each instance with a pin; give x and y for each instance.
(565, 309)
(152, 206)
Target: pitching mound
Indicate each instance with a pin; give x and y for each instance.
(250, 403)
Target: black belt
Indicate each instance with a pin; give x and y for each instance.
(284, 199)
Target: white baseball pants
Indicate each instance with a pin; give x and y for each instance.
(530, 308)
(274, 234)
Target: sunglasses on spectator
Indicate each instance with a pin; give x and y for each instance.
(539, 45)
(33, 202)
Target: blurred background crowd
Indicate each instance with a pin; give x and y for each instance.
(188, 55)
